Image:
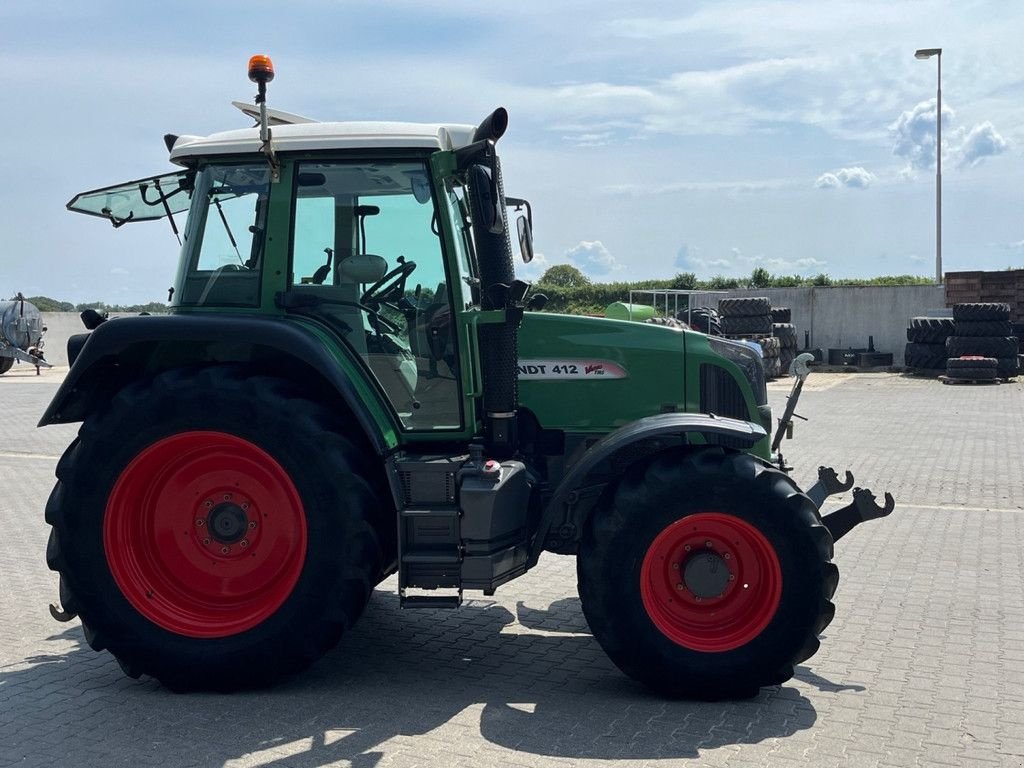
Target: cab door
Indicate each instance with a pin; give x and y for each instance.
(368, 259)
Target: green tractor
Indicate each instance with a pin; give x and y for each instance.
(352, 383)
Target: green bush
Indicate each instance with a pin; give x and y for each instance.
(591, 298)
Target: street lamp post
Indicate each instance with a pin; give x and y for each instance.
(927, 53)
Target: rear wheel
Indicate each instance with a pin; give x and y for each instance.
(213, 530)
(707, 575)
(5, 364)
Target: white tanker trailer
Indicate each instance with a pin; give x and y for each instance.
(21, 334)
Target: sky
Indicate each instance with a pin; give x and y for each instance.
(651, 138)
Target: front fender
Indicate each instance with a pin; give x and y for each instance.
(123, 349)
(570, 504)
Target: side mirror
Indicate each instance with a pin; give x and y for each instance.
(525, 239)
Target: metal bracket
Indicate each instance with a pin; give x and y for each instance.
(828, 485)
(860, 510)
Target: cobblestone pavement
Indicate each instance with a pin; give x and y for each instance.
(923, 665)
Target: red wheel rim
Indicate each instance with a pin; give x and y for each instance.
(205, 534)
(711, 582)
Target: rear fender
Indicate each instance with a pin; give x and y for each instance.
(126, 349)
(566, 513)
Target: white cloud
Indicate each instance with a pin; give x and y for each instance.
(853, 178)
(980, 142)
(119, 271)
(687, 257)
(730, 187)
(916, 257)
(914, 133)
(798, 265)
(593, 258)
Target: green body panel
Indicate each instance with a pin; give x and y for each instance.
(371, 398)
(652, 357)
(661, 365)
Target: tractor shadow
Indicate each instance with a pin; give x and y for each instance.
(425, 683)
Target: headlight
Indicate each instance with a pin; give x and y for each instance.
(748, 361)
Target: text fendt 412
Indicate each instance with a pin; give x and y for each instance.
(351, 382)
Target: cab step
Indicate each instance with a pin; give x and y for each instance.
(431, 601)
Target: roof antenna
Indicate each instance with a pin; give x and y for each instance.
(261, 72)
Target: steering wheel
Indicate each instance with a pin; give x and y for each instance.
(385, 288)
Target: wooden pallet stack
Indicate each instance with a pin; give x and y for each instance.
(1005, 286)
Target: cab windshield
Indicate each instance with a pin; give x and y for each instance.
(225, 237)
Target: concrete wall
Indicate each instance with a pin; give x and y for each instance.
(845, 316)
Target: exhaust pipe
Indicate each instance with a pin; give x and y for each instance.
(499, 358)
(493, 127)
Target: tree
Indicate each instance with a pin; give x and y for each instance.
(564, 276)
(760, 278)
(684, 281)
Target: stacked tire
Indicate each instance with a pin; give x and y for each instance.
(746, 316)
(669, 322)
(784, 330)
(703, 319)
(972, 368)
(925, 352)
(770, 354)
(983, 330)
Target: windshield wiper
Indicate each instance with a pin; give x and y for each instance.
(227, 228)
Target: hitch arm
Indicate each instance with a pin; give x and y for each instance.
(801, 370)
(828, 485)
(861, 509)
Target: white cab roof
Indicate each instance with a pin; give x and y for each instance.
(321, 136)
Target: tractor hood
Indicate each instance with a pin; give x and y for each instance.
(587, 374)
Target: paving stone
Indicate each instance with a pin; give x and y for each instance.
(923, 665)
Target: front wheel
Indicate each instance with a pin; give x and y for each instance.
(707, 574)
(213, 530)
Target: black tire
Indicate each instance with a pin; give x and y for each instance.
(770, 346)
(926, 356)
(984, 328)
(746, 306)
(786, 357)
(972, 362)
(786, 334)
(5, 364)
(971, 374)
(782, 315)
(333, 575)
(772, 367)
(703, 319)
(739, 326)
(981, 311)
(650, 498)
(929, 330)
(985, 346)
(1008, 367)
